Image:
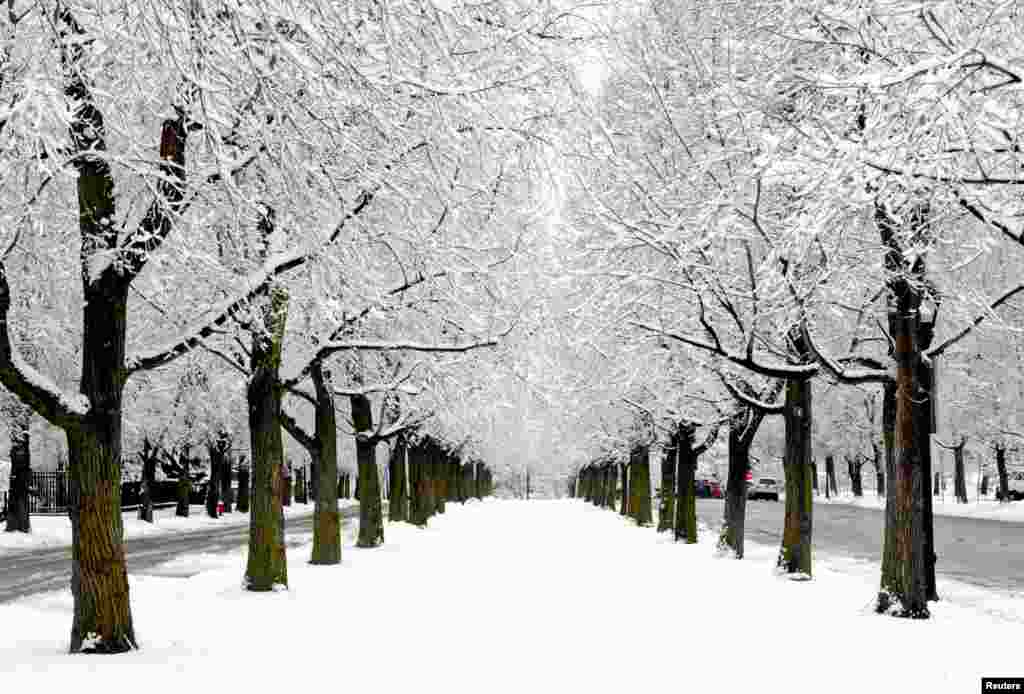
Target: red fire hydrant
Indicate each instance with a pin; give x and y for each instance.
(220, 507)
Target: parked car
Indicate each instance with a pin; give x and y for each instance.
(1015, 486)
(763, 488)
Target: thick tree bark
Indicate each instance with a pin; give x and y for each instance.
(244, 484)
(267, 565)
(371, 517)
(926, 416)
(398, 504)
(640, 486)
(731, 538)
(99, 579)
(19, 418)
(326, 518)
(795, 553)
(686, 514)
(286, 486)
(904, 591)
(667, 498)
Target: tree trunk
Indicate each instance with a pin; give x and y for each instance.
(959, 478)
(890, 565)
(398, 505)
(853, 469)
(640, 486)
(814, 476)
(243, 489)
(438, 475)
(624, 498)
(225, 483)
(731, 538)
(479, 481)
(984, 485)
(267, 565)
(286, 486)
(907, 593)
(831, 488)
(418, 485)
(184, 483)
(149, 460)
(213, 483)
(667, 497)
(924, 409)
(876, 461)
(371, 518)
(326, 519)
(686, 514)
(795, 552)
(1003, 493)
(19, 418)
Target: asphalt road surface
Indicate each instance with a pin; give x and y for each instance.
(35, 571)
(981, 552)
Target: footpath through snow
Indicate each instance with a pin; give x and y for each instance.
(512, 596)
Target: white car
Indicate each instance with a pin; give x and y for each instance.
(763, 488)
(1014, 484)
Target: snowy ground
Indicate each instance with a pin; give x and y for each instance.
(986, 508)
(55, 531)
(512, 596)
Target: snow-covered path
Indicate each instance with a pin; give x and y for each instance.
(507, 596)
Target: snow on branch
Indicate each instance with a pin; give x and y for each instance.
(355, 318)
(840, 373)
(393, 430)
(775, 370)
(252, 286)
(936, 351)
(33, 388)
(296, 431)
(751, 401)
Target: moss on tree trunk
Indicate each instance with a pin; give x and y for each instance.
(326, 518)
(267, 564)
(640, 486)
(795, 552)
(686, 514)
(904, 591)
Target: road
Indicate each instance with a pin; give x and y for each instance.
(981, 552)
(36, 571)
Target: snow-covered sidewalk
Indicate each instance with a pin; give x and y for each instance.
(514, 596)
(55, 531)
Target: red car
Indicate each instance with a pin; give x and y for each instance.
(708, 489)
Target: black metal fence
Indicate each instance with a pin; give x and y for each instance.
(49, 492)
